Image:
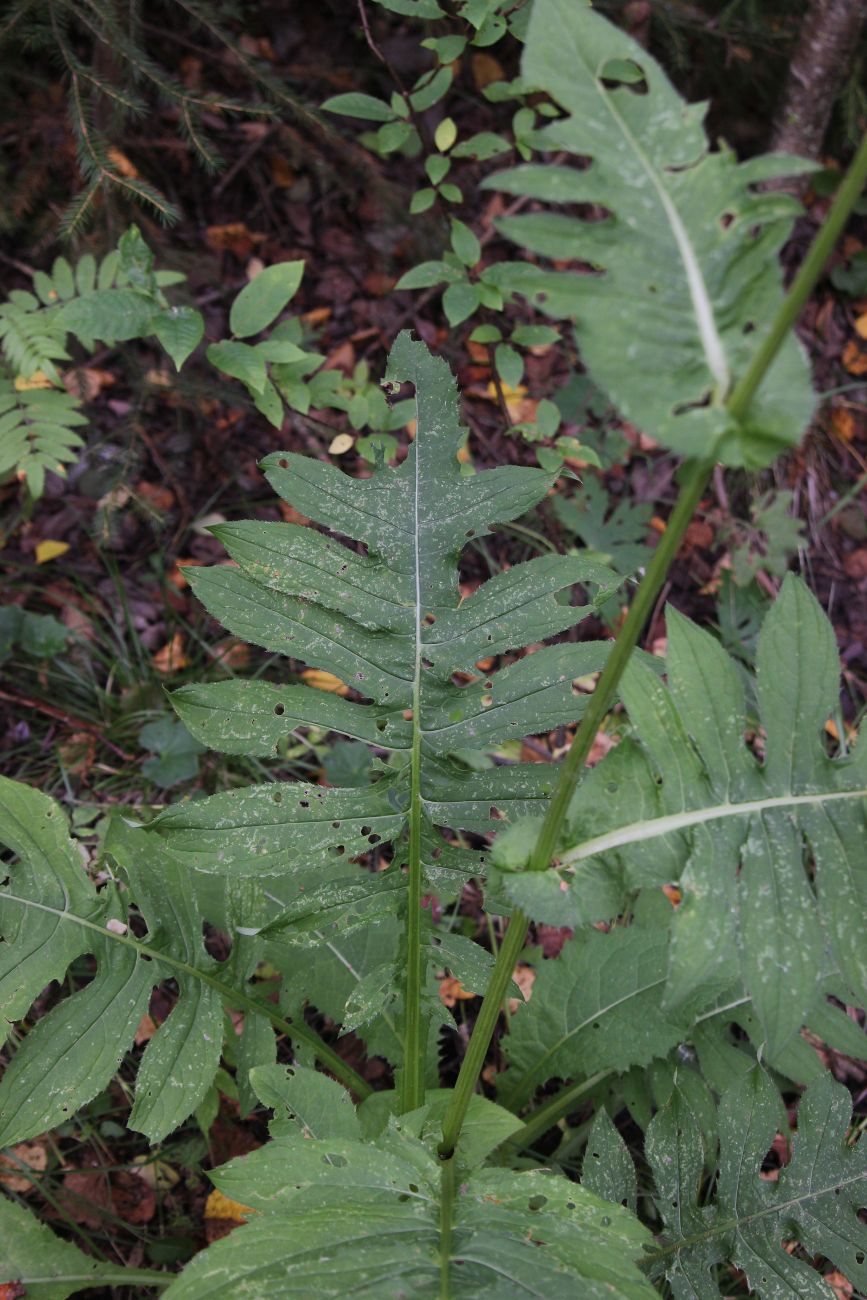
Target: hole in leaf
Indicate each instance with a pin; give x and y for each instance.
(487, 701)
(427, 663)
(338, 1161)
(365, 830)
(381, 724)
(279, 709)
(304, 803)
(374, 839)
(284, 464)
(335, 826)
(277, 797)
(536, 1202)
(430, 619)
(471, 532)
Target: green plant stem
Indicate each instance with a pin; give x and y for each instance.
(550, 1112)
(448, 1180)
(802, 285)
(295, 1029)
(696, 477)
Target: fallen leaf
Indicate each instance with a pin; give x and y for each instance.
(160, 498)
(146, 1030)
(341, 358)
(839, 1284)
(281, 173)
(486, 69)
(122, 163)
(158, 1174)
(87, 382)
(843, 423)
(171, 658)
(317, 316)
(855, 358)
(855, 564)
(177, 577)
(234, 237)
(291, 515)
(36, 380)
(232, 654)
(452, 991)
(322, 681)
(78, 752)
(133, 1197)
(31, 1154)
(340, 445)
(50, 550)
(525, 978)
(12, 1291)
(222, 1215)
(861, 326)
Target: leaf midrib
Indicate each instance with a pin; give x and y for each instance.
(636, 832)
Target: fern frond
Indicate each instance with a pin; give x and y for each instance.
(37, 433)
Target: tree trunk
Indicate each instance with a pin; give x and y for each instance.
(817, 73)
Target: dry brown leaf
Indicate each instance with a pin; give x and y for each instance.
(122, 163)
(322, 681)
(486, 69)
(222, 1215)
(291, 515)
(232, 654)
(176, 576)
(172, 657)
(843, 424)
(855, 358)
(78, 752)
(87, 382)
(160, 498)
(840, 1285)
(341, 358)
(32, 1154)
(234, 237)
(452, 991)
(861, 326)
(855, 564)
(524, 977)
(147, 1027)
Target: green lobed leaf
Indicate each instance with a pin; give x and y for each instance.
(685, 263)
(334, 1213)
(390, 624)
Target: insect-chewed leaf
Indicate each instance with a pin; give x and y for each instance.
(750, 1222)
(334, 1213)
(691, 803)
(388, 620)
(684, 268)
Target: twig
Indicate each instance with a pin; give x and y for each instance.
(59, 716)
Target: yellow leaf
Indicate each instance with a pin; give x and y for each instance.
(340, 445)
(37, 380)
(322, 681)
(218, 1206)
(861, 326)
(49, 550)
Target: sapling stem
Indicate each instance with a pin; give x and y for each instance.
(696, 476)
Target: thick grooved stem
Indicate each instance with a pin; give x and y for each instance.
(448, 1180)
(648, 589)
